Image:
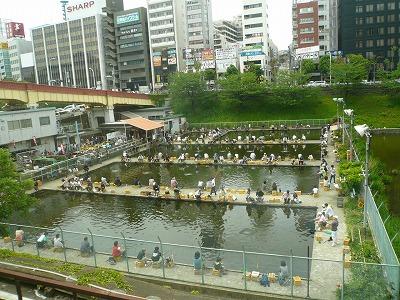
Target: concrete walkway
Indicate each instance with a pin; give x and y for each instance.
(326, 264)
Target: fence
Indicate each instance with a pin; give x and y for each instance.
(266, 124)
(61, 168)
(382, 240)
(307, 276)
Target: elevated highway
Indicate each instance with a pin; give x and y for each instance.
(30, 94)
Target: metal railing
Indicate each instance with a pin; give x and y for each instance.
(267, 124)
(243, 268)
(62, 168)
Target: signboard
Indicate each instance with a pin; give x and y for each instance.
(307, 50)
(84, 8)
(335, 53)
(223, 64)
(3, 45)
(226, 53)
(207, 54)
(252, 53)
(157, 61)
(207, 64)
(15, 29)
(133, 17)
(171, 56)
(313, 55)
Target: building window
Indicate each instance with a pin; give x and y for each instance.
(391, 18)
(380, 42)
(307, 30)
(380, 6)
(252, 16)
(306, 20)
(307, 40)
(306, 10)
(256, 5)
(359, 32)
(253, 26)
(390, 30)
(369, 31)
(391, 6)
(369, 43)
(359, 9)
(369, 20)
(359, 21)
(380, 30)
(13, 125)
(369, 8)
(380, 19)
(44, 121)
(390, 42)
(359, 44)
(26, 123)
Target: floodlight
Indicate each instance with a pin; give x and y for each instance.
(362, 129)
(348, 112)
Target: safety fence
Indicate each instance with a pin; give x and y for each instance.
(307, 277)
(60, 169)
(381, 238)
(301, 123)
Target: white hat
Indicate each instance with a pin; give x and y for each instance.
(336, 217)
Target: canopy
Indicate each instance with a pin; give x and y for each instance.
(143, 123)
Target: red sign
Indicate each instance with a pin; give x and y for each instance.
(80, 6)
(15, 29)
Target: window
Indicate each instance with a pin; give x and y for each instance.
(380, 19)
(369, 43)
(253, 26)
(44, 121)
(391, 18)
(390, 30)
(380, 30)
(306, 20)
(359, 21)
(307, 40)
(369, 20)
(369, 31)
(380, 42)
(13, 125)
(380, 6)
(252, 6)
(359, 32)
(359, 9)
(307, 30)
(26, 123)
(390, 42)
(369, 8)
(259, 15)
(359, 44)
(306, 10)
(391, 6)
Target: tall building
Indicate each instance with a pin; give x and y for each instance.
(133, 49)
(72, 53)
(371, 28)
(225, 33)
(5, 66)
(17, 47)
(256, 41)
(200, 24)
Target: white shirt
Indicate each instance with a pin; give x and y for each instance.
(315, 190)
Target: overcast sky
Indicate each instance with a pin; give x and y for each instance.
(39, 12)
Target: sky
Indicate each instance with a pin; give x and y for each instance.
(39, 12)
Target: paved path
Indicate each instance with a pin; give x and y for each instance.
(325, 275)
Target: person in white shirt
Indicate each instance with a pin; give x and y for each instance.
(315, 190)
(328, 210)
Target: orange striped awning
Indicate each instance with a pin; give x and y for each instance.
(143, 123)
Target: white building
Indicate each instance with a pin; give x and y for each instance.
(200, 24)
(225, 34)
(17, 47)
(28, 130)
(256, 43)
(5, 67)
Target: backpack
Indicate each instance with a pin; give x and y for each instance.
(264, 281)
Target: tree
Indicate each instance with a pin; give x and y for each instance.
(13, 197)
(350, 69)
(188, 92)
(256, 69)
(231, 70)
(307, 66)
(324, 65)
(209, 74)
(242, 88)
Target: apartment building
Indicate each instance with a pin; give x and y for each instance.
(371, 28)
(225, 34)
(18, 47)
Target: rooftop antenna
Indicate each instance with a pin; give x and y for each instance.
(63, 5)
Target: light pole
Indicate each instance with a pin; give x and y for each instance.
(50, 70)
(94, 78)
(364, 130)
(350, 113)
(337, 100)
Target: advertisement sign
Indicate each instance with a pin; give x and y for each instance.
(84, 8)
(226, 53)
(311, 55)
(157, 61)
(207, 54)
(252, 50)
(172, 59)
(15, 29)
(187, 54)
(133, 17)
(252, 53)
(307, 50)
(207, 64)
(3, 45)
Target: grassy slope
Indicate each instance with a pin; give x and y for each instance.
(376, 110)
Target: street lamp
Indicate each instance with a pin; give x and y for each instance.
(364, 130)
(50, 68)
(94, 79)
(350, 113)
(338, 100)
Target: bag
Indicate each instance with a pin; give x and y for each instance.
(264, 281)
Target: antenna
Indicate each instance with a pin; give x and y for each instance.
(63, 5)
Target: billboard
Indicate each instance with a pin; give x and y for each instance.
(252, 50)
(3, 45)
(157, 59)
(84, 8)
(133, 17)
(15, 29)
(172, 57)
(226, 53)
(207, 54)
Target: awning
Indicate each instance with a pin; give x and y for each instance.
(143, 123)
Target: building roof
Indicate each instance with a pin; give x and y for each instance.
(143, 123)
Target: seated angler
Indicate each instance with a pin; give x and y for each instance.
(117, 181)
(286, 197)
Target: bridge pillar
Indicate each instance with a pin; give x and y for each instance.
(109, 114)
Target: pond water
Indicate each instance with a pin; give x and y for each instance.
(241, 150)
(259, 229)
(386, 147)
(236, 177)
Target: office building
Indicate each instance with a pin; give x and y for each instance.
(225, 34)
(5, 67)
(371, 28)
(72, 53)
(200, 24)
(256, 41)
(133, 49)
(18, 47)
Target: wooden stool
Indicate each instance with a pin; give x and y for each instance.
(318, 237)
(347, 262)
(315, 195)
(127, 191)
(139, 263)
(255, 275)
(216, 272)
(272, 277)
(57, 249)
(117, 258)
(346, 241)
(156, 264)
(297, 280)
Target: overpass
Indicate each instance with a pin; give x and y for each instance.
(30, 93)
